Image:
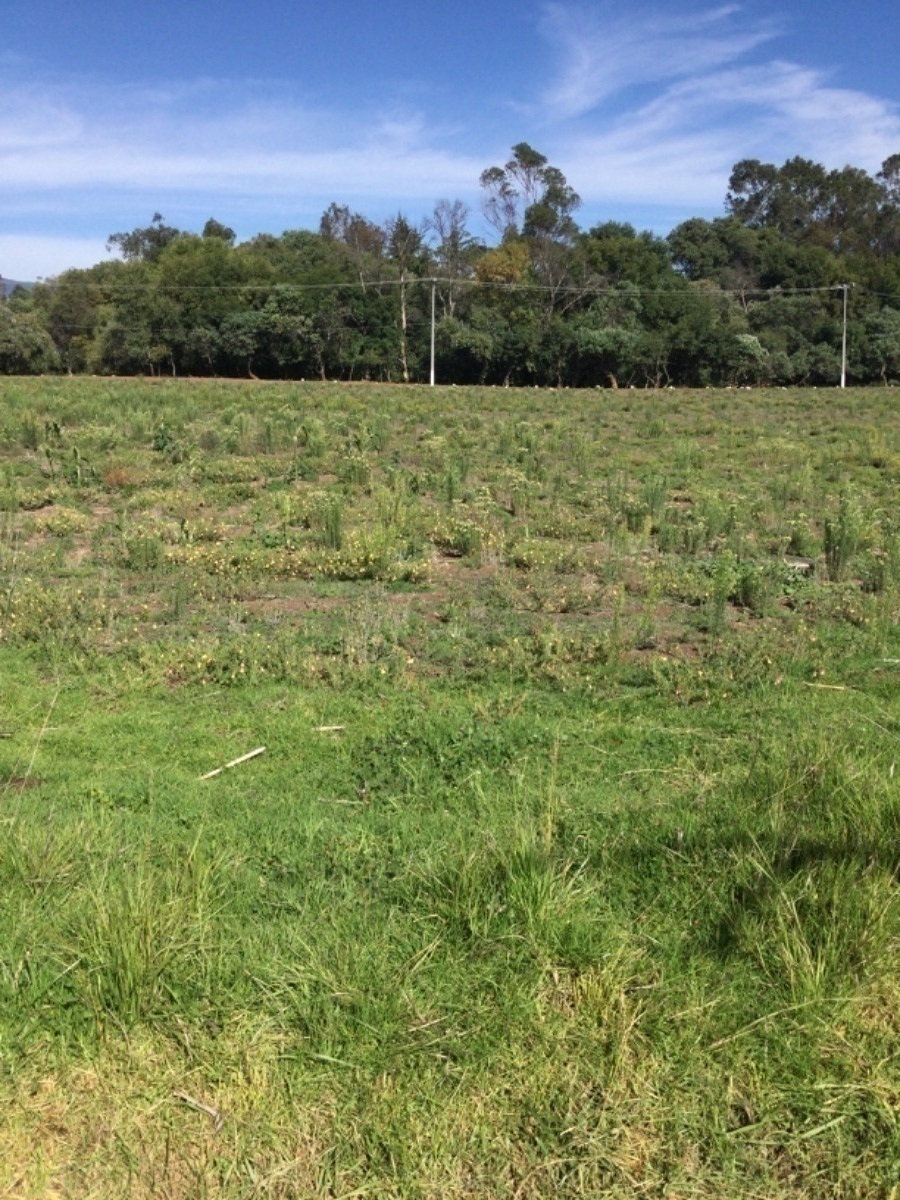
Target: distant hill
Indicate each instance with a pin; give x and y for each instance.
(8, 286)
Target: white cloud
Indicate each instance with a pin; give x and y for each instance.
(679, 147)
(702, 105)
(195, 139)
(31, 120)
(73, 157)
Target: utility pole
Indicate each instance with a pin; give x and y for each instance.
(433, 286)
(845, 287)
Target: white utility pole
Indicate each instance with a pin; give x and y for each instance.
(846, 289)
(433, 285)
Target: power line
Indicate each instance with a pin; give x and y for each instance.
(426, 281)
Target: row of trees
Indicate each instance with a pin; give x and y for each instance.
(752, 297)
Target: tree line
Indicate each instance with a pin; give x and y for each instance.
(753, 297)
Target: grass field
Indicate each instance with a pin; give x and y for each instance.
(571, 865)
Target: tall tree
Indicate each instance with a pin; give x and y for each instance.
(215, 229)
(889, 178)
(844, 210)
(509, 191)
(455, 250)
(145, 244)
(408, 255)
(528, 198)
(363, 239)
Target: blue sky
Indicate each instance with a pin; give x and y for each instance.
(260, 114)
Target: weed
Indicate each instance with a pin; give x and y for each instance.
(331, 522)
(142, 942)
(843, 535)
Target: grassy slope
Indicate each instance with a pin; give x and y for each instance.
(593, 891)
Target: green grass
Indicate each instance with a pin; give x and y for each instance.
(571, 864)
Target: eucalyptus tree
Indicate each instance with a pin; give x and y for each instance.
(408, 258)
(847, 211)
(529, 199)
(146, 243)
(889, 178)
(455, 250)
(362, 240)
(215, 229)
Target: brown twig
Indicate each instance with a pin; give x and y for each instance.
(218, 1118)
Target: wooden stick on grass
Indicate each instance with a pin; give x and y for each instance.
(217, 1116)
(235, 762)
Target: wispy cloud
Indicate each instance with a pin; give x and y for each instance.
(86, 158)
(679, 148)
(707, 99)
(196, 138)
(641, 108)
(642, 102)
(605, 51)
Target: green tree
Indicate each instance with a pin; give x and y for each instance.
(70, 310)
(529, 199)
(454, 250)
(242, 336)
(363, 241)
(197, 283)
(26, 347)
(511, 190)
(215, 229)
(408, 257)
(287, 331)
(144, 244)
(847, 211)
(882, 344)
